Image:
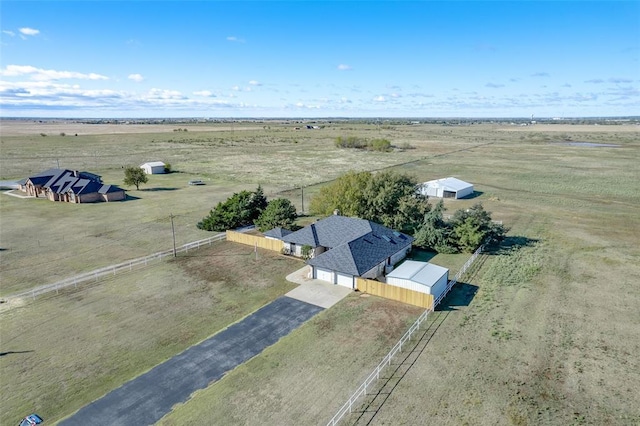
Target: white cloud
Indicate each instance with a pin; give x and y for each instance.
(494, 85)
(380, 99)
(344, 67)
(164, 94)
(302, 105)
(9, 33)
(205, 93)
(540, 74)
(29, 31)
(235, 39)
(236, 88)
(255, 83)
(136, 77)
(44, 75)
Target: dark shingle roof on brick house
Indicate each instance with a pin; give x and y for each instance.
(61, 181)
(354, 245)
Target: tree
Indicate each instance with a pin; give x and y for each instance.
(167, 168)
(435, 234)
(258, 201)
(241, 209)
(388, 198)
(306, 251)
(134, 176)
(469, 234)
(466, 230)
(278, 213)
(474, 226)
(391, 199)
(344, 194)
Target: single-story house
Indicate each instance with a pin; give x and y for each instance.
(449, 187)
(153, 167)
(70, 186)
(422, 277)
(343, 248)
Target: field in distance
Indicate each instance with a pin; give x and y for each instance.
(548, 336)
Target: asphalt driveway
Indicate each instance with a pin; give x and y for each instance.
(147, 398)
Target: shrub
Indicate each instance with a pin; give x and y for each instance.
(241, 209)
(381, 145)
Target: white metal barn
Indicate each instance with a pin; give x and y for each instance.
(420, 276)
(153, 167)
(449, 187)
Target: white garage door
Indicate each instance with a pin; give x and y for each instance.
(324, 275)
(345, 280)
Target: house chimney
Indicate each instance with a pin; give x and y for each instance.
(336, 212)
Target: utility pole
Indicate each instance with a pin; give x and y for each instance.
(302, 197)
(173, 231)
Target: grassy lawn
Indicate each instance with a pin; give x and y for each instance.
(44, 242)
(62, 352)
(548, 338)
(308, 374)
(551, 335)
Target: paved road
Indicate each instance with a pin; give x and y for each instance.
(147, 398)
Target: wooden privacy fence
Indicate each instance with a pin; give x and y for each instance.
(392, 292)
(255, 241)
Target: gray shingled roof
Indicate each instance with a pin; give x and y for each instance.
(355, 245)
(107, 189)
(277, 233)
(330, 232)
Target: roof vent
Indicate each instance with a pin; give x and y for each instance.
(387, 239)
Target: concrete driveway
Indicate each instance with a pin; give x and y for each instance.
(316, 292)
(147, 398)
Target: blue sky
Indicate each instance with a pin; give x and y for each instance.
(319, 59)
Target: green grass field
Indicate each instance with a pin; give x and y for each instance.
(550, 337)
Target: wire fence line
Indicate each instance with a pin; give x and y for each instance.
(347, 407)
(129, 265)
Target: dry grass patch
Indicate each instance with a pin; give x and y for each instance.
(62, 352)
(308, 374)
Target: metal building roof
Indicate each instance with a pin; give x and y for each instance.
(449, 183)
(153, 164)
(423, 273)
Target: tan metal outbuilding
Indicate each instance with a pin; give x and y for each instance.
(422, 277)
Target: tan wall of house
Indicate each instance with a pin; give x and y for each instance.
(114, 196)
(88, 198)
